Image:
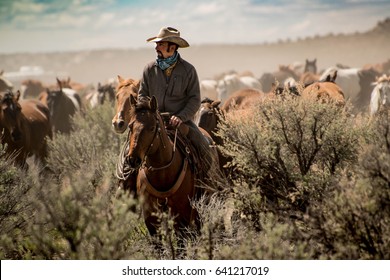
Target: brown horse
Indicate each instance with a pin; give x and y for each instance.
(325, 91)
(166, 179)
(242, 99)
(31, 88)
(25, 127)
(125, 89)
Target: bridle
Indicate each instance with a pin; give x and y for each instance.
(157, 134)
(142, 176)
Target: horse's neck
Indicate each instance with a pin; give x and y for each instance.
(70, 94)
(163, 152)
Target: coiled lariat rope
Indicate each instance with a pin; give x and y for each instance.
(123, 171)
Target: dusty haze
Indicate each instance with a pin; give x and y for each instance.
(90, 67)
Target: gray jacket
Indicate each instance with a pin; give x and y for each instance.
(178, 94)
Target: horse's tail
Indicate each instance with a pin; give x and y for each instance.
(375, 99)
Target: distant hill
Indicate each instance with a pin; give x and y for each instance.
(383, 27)
(95, 66)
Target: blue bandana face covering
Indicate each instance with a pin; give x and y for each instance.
(164, 63)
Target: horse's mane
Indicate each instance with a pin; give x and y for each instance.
(8, 96)
(129, 83)
(142, 105)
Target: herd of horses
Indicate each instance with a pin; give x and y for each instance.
(166, 178)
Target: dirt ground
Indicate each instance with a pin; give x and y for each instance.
(91, 67)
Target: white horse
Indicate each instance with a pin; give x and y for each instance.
(380, 96)
(232, 83)
(356, 83)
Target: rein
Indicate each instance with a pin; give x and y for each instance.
(158, 130)
(143, 178)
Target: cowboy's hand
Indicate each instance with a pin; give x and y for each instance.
(175, 121)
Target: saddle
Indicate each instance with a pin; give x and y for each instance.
(184, 144)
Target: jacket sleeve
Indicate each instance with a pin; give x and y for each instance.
(143, 91)
(193, 97)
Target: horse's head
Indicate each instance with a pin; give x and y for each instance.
(11, 114)
(311, 66)
(144, 129)
(53, 100)
(125, 89)
(106, 91)
(209, 115)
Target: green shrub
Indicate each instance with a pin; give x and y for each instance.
(291, 151)
(311, 182)
(356, 221)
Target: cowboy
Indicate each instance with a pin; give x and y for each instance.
(174, 82)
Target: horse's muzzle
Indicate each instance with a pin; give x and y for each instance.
(119, 126)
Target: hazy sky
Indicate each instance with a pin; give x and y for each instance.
(66, 25)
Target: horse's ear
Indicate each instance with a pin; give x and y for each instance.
(216, 103)
(120, 79)
(333, 78)
(17, 95)
(133, 101)
(68, 80)
(153, 103)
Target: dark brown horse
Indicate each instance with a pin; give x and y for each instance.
(24, 127)
(209, 117)
(62, 104)
(104, 93)
(166, 179)
(125, 88)
(31, 88)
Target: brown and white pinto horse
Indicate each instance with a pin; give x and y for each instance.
(24, 127)
(166, 179)
(63, 104)
(125, 89)
(104, 93)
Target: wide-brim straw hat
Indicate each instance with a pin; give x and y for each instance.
(169, 34)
